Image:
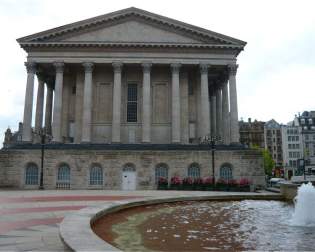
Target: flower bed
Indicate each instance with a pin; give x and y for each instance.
(204, 184)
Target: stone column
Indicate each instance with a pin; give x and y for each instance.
(39, 104)
(175, 103)
(146, 103)
(213, 114)
(48, 108)
(219, 112)
(235, 135)
(87, 103)
(204, 101)
(56, 124)
(116, 102)
(28, 103)
(225, 114)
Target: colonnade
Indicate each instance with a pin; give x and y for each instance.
(218, 110)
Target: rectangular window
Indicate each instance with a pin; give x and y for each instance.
(132, 100)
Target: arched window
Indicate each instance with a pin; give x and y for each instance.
(129, 167)
(194, 171)
(63, 177)
(161, 170)
(96, 175)
(226, 172)
(31, 174)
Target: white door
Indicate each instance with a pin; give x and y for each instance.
(129, 180)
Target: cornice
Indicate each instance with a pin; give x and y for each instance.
(27, 45)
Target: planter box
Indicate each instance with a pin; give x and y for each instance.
(162, 187)
(188, 187)
(244, 188)
(175, 187)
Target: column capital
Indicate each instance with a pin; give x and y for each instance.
(232, 68)
(88, 66)
(117, 65)
(175, 67)
(146, 66)
(30, 66)
(204, 68)
(40, 76)
(59, 66)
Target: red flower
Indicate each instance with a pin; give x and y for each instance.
(175, 180)
(233, 182)
(221, 181)
(187, 181)
(162, 181)
(244, 182)
(208, 181)
(198, 181)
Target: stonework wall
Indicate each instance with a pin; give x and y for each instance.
(245, 163)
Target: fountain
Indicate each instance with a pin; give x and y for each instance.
(304, 206)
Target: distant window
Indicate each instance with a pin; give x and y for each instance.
(302, 121)
(31, 174)
(132, 100)
(194, 171)
(96, 175)
(226, 172)
(310, 121)
(161, 171)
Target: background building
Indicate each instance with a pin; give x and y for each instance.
(273, 141)
(252, 133)
(292, 146)
(307, 123)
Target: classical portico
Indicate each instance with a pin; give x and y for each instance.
(131, 77)
(214, 115)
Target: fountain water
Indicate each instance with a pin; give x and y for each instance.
(304, 214)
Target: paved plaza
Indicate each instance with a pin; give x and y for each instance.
(29, 220)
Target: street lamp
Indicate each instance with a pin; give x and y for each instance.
(42, 135)
(211, 141)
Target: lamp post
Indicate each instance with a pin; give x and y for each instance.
(42, 135)
(211, 141)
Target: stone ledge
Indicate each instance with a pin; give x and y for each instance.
(75, 230)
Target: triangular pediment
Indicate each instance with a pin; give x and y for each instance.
(131, 25)
(131, 31)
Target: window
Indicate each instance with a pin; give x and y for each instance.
(63, 177)
(161, 171)
(226, 172)
(310, 121)
(194, 171)
(290, 163)
(132, 98)
(96, 175)
(289, 138)
(294, 163)
(290, 146)
(31, 174)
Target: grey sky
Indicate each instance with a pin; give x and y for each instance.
(276, 77)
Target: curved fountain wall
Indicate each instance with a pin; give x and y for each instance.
(75, 230)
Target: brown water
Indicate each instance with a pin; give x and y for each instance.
(204, 226)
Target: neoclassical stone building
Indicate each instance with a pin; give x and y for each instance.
(125, 98)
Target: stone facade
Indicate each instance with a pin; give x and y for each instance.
(245, 164)
(122, 80)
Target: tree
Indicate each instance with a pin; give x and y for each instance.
(269, 164)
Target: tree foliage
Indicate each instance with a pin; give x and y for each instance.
(269, 163)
